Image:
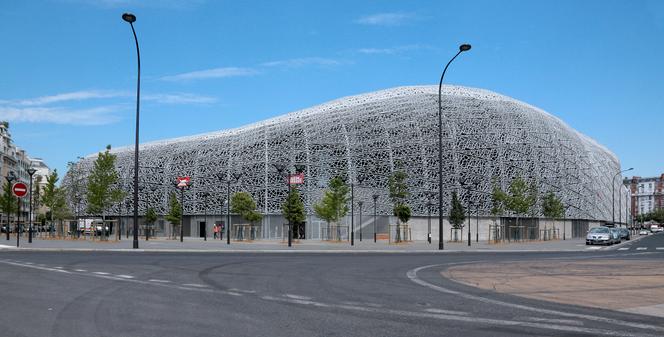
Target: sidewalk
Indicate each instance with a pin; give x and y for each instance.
(199, 245)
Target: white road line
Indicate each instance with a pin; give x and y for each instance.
(449, 317)
(100, 273)
(125, 276)
(623, 248)
(195, 285)
(641, 248)
(659, 248)
(412, 275)
(159, 281)
(552, 320)
(298, 297)
(242, 291)
(447, 312)
(80, 270)
(593, 248)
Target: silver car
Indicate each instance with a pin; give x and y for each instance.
(615, 234)
(599, 236)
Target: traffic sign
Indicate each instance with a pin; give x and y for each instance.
(20, 189)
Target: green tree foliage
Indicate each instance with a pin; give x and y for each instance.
(522, 196)
(150, 216)
(243, 203)
(293, 208)
(174, 211)
(334, 204)
(457, 213)
(101, 184)
(398, 194)
(49, 194)
(498, 198)
(60, 208)
(552, 207)
(8, 201)
(36, 195)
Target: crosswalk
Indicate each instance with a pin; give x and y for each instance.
(640, 248)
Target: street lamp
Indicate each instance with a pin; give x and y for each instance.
(359, 179)
(375, 198)
(613, 196)
(360, 203)
(131, 18)
(31, 171)
(462, 48)
(10, 179)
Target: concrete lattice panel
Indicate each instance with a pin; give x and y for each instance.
(486, 137)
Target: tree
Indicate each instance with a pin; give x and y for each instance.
(102, 180)
(8, 201)
(334, 204)
(150, 218)
(36, 196)
(521, 198)
(60, 208)
(49, 195)
(174, 214)
(457, 214)
(398, 194)
(552, 207)
(498, 198)
(293, 209)
(243, 203)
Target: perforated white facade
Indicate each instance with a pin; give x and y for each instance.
(487, 137)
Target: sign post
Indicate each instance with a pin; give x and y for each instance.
(182, 183)
(20, 190)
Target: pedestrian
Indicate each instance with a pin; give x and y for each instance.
(221, 232)
(215, 229)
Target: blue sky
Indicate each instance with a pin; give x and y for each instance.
(68, 74)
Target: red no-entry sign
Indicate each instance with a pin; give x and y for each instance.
(20, 190)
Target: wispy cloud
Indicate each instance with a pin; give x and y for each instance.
(180, 98)
(210, 73)
(303, 61)
(41, 109)
(93, 116)
(70, 96)
(386, 19)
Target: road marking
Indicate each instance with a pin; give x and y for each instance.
(100, 273)
(368, 304)
(298, 297)
(553, 320)
(159, 281)
(412, 275)
(80, 270)
(447, 312)
(125, 276)
(451, 317)
(623, 248)
(5, 246)
(242, 291)
(58, 267)
(641, 248)
(195, 285)
(593, 248)
(659, 248)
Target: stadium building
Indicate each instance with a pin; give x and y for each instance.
(488, 139)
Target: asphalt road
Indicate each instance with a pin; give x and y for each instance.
(281, 294)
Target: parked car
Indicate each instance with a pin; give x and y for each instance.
(656, 228)
(624, 234)
(644, 232)
(615, 234)
(4, 229)
(598, 236)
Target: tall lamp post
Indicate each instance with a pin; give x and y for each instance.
(375, 199)
(10, 179)
(131, 18)
(360, 203)
(31, 172)
(613, 195)
(462, 48)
